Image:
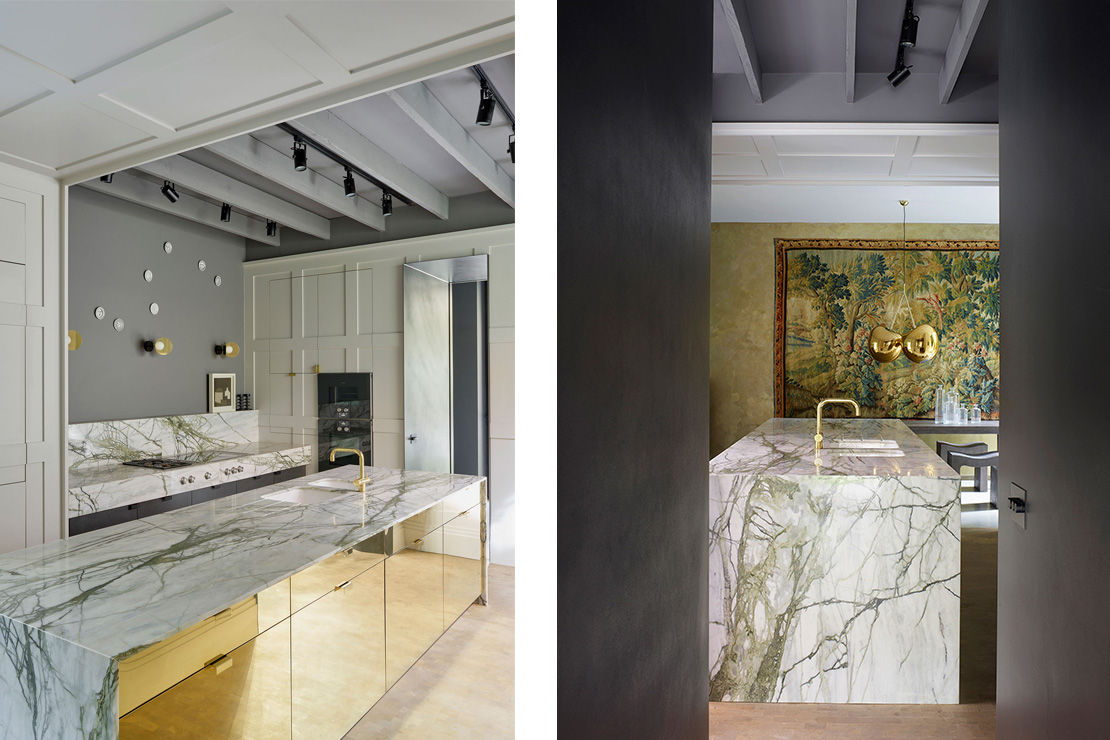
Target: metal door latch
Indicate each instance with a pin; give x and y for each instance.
(412, 438)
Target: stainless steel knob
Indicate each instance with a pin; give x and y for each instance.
(239, 469)
(191, 479)
(182, 480)
(227, 471)
(208, 476)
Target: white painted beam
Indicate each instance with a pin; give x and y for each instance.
(736, 13)
(149, 194)
(850, 53)
(208, 182)
(967, 23)
(419, 104)
(252, 154)
(328, 129)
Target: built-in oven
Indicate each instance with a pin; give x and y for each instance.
(346, 417)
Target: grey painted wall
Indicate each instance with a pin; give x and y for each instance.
(633, 368)
(111, 242)
(1053, 589)
(466, 212)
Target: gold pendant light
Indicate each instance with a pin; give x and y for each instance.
(921, 343)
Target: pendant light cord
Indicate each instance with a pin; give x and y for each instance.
(905, 295)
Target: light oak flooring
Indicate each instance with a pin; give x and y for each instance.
(972, 719)
(463, 687)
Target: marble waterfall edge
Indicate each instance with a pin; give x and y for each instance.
(835, 583)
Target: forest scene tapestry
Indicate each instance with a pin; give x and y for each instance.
(830, 294)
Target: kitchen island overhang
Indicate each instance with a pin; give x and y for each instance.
(71, 610)
(838, 579)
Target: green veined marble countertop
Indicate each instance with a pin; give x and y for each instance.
(786, 447)
(115, 591)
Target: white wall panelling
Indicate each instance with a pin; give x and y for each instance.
(342, 309)
(31, 340)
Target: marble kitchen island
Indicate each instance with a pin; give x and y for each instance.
(834, 578)
(247, 616)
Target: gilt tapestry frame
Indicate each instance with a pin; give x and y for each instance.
(830, 293)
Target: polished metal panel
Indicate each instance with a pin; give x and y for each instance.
(320, 579)
(462, 563)
(273, 605)
(244, 696)
(427, 304)
(413, 603)
(338, 656)
(456, 269)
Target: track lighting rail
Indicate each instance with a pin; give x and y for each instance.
(481, 75)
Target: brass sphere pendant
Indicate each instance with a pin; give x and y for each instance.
(884, 345)
(921, 344)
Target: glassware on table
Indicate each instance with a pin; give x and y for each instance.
(963, 415)
(976, 414)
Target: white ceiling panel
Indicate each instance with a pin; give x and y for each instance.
(234, 75)
(825, 167)
(737, 166)
(954, 166)
(15, 91)
(956, 146)
(362, 35)
(77, 39)
(827, 146)
(58, 133)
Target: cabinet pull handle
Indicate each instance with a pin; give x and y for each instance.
(417, 543)
(219, 664)
(342, 586)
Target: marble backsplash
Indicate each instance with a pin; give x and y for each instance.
(113, 441)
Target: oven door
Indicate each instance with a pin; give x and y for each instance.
(349, 433)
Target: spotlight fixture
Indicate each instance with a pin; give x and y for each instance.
(485, 108)
(271, 228)
(225, 212)
(512, 147)
(901, 71)
(169, 191)
(107, 178)
(162, 346)
(300, 154)
(909, 27)
(387, 204)
(227, 349)
(349, 184)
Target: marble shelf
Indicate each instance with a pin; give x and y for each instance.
(71, 610)
(833, 578)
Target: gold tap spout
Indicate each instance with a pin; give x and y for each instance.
(362, 480)
(819, 438)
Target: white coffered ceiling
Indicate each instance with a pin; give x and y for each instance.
(94, 85)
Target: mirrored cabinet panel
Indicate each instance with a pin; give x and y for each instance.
(413, 602)
(319, 579)
(462, 563)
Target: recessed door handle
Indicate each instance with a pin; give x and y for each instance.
(412, 438)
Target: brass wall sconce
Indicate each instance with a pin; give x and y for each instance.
(73, 339)
(228, 349)
(162, 346)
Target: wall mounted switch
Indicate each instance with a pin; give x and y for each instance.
(1018, 502)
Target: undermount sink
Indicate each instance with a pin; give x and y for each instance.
(861, 444)
(304, 496)
(338, 483)
(863, 452)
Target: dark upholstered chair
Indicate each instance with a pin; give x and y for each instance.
(983, 462)
(970, 448)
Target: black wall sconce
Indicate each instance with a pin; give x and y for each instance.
(228, 349)
(161, 346)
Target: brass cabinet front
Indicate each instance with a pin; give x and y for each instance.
(338, 653)
(319, 579)
(243, 696)
(462, 563)
(413, 602)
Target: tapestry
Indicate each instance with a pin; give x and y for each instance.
(830, 294)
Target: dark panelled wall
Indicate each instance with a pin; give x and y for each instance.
(634, 132)
(1054, 577)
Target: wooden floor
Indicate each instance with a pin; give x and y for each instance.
(462, 687)
(972, 719)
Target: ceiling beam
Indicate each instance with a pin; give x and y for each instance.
(850, 53)
(335, 134)
(967, 23)
(208, 182)
(422, 107)
(149, 194)
(736, 13)
(250, 153)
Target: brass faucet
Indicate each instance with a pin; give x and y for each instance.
(818, 438)
(361, 480)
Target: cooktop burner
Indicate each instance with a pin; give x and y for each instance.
(159, 463)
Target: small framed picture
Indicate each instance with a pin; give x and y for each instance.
(221, 392)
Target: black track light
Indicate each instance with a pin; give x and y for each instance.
(349, 184)
(300, 154)
(107, 178)
(485, 108)
(387, 204)
(909, 27)
(512, 147)
(271, 228)
(901, 71)
(225, 212)
(169, 191)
